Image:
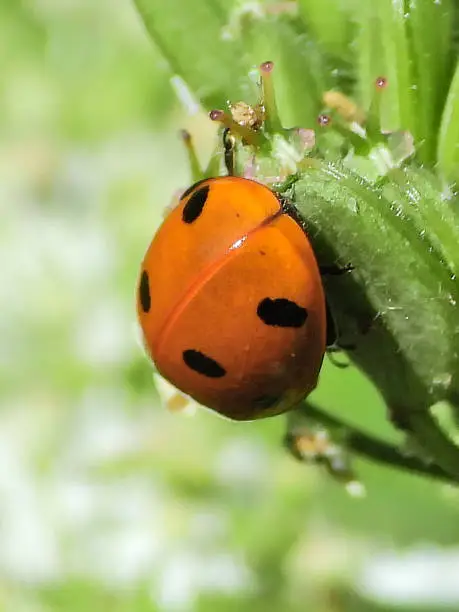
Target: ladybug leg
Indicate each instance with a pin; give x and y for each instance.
(332, 332)
(334, 345)
(334, 270)
(334, 342)
(229, 149)
(331, 353)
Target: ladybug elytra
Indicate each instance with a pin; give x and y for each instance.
(230, 300)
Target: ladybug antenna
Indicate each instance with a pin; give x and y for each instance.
(245, 134)
(272, 121)
(195, 167)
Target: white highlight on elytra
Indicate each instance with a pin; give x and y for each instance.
(238, 243)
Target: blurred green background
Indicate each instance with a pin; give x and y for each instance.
(108, 501)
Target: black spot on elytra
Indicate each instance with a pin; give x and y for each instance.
(193, 208)
(144, 292)
(281, 312)
(265, 401)
(191, 188)
(201, 363)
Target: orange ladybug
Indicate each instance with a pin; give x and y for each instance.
(230, 300)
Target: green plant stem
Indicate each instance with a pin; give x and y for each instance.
(377, 450)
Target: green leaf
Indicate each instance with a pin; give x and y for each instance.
(194, 39)
(382, 51)
(401, 284)
(299, 74)
(328, 22)
(419, 196)
(448, 140)
(429, 28)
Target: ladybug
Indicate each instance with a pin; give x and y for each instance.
(230, 300)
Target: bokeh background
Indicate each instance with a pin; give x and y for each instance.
(107, 500)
